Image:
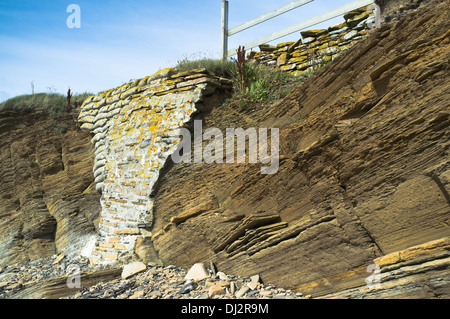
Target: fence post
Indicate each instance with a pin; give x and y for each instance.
(224, 29)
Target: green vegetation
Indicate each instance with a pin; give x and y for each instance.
(51, 103)
(259, 83)
(61, 129)
(264, 84)
(219, 67)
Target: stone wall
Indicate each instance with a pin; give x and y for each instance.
(317, 47)
(136, 128)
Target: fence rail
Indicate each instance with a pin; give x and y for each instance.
(226, 33)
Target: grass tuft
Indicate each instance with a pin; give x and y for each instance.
(218, 67)
(52, 103)
(262, 83)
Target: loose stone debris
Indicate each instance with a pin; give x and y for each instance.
(142, 281)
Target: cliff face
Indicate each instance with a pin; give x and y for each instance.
(364, 170)
(363, 182)
(48, 198)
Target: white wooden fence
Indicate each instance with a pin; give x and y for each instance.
(226, 33)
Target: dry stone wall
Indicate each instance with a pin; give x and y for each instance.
(317, 47)
(136, 128)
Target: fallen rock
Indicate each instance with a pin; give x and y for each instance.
(222, 276)
(58, 259)
(188, 288)
(241, 292)
(265, 293)
(253, 284)
(132, 269)
(197, 272)
(137, 294)
(215, 290)
(232, 287)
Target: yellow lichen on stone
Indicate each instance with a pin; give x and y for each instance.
(135, 127)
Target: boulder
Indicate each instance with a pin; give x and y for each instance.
(197, 272)
(132, 269)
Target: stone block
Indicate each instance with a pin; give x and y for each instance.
(313, 33)
(110, 256)
(113, 240)
(127, 231)
(267, 48)
(197, 272)
(282, 59)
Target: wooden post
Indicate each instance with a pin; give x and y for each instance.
(224, 29)
(69, 95)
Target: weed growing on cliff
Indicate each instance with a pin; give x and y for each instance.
(241, 76)
(262, 83)
(61, 129)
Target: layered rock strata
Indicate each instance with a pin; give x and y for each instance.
(48, 198)
(364, 171)
(136, 128)
(419, 272)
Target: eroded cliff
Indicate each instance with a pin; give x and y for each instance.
(48, 196)
(363, 177)
(364, 169)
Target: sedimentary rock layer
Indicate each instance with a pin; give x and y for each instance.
(364, 169)
(48, 198)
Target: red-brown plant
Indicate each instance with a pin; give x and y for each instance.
(240, 64)
(69, 95)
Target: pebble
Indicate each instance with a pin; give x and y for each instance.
(132, 269)
(215, 290)
(188, 288)
(149, 282)
(242, 292)
(222, 276)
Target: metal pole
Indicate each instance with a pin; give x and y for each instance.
(268, 16)
(224, 29)
(305, 24)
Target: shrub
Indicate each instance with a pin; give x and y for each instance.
(264, 84)
(78, 99)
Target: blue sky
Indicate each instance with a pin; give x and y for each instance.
(122, 40)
